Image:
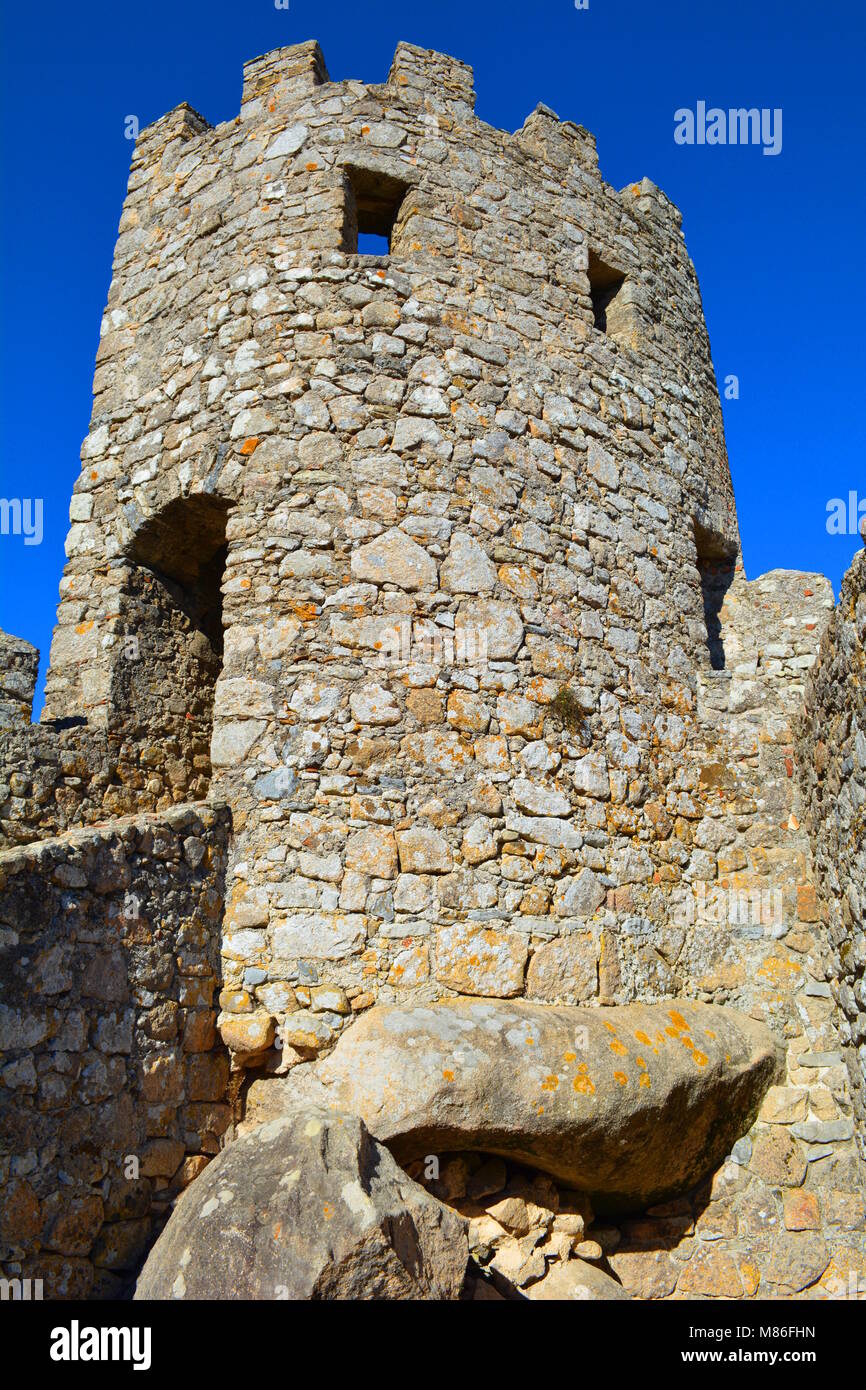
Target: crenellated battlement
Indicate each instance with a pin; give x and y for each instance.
(19, 667)
(283, 75)
(422, 74)
(277, 83)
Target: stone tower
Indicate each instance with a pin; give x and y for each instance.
(423, 569)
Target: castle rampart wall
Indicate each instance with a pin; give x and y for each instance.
(113, 1081)
(833, 763)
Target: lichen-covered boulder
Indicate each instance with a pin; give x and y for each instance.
(308, 1206)
(631, 1105)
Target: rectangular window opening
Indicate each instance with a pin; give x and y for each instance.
(371, 244)
(373, 205)
(605, 284)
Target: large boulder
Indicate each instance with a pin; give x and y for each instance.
(630, 1105)
(308, 1206)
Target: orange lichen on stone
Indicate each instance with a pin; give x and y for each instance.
(777, 969)
(250, 445)
(621, 1077)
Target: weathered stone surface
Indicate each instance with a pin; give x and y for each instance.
(490, 627)
(329, 937)
(778, 1159)
(373, 851)
(423, 851)
(108, 1037)
(712, 1273)
(467, 569)
(579, 896)
(832, 732)
(480, 960)
(247, 1032)
(591, 776)
(629, 1104)
(565, 970)
(307, 1207)
(394, 558)
(646, 1273)
(374, 705)
(577, 1282)
(796, 1261)
(540, 800)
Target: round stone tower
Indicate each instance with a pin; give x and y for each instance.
(413, 554)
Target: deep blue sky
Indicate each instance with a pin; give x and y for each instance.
(777, 242)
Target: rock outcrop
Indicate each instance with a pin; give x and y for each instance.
(630, 1105)
(307, 1207)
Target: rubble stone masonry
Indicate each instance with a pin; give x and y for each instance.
(834, 766)
(114, 1081)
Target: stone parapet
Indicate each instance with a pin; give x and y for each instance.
(113, 1081)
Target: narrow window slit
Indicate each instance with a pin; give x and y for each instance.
(605, 284)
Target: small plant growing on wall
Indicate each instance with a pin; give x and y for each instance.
(566, 708)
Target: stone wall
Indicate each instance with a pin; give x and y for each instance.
(833, 763)
(113, 1082)
(153, 749)
(784, 1215)
(19, 667)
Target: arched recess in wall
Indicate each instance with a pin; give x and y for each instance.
(170, 650)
